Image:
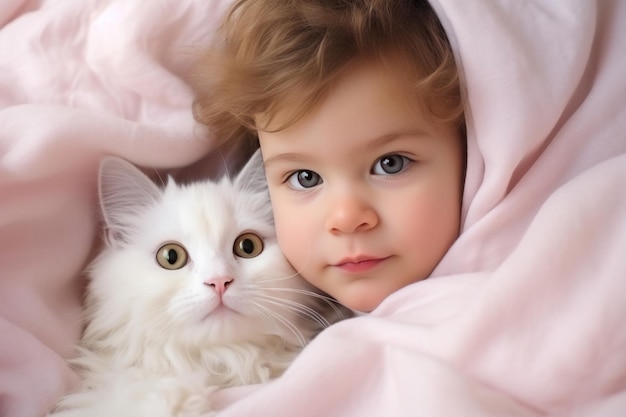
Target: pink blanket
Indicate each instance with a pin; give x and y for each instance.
(523, 317)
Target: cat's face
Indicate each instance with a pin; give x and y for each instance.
(199, 263)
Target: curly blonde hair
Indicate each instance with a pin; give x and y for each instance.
(272, 56)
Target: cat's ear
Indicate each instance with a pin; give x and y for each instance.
(123, 190)
(252, 175)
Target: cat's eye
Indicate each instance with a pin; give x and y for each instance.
(172, 256)
(248, 245)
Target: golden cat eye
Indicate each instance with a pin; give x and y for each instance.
(248, 245)
(172, 256)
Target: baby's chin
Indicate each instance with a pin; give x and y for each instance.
(362, 297)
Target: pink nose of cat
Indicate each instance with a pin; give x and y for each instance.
(219, 284)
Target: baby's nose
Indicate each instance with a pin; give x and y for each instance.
(351, 213)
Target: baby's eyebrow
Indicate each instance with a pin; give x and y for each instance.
(390, 137)
(284, 157)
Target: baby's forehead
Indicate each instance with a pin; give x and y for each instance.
(284, 111)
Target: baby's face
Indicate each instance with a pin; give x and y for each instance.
(366, 190)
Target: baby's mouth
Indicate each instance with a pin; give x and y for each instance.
(360, 264)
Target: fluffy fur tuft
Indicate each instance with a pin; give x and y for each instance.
(183, 300)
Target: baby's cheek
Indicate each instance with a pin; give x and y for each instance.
(293, 243)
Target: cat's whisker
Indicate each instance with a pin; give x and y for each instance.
(157, 338)
(179, 308)
(272, 317)
(289, 325)
(305, 264)
(280, 278)
(262, 311)
(158, 176)
(299, 308)
(331, 302)
(221, 154)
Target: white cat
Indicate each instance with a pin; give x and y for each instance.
(191, 293)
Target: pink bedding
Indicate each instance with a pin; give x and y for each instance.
(523, 317)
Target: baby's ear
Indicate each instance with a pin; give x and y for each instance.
(252, 175)
(124, 192)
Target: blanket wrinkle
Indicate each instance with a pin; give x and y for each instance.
(31, 360)
(13, 8)
(521, 51)
(564, 296)
(522, 317)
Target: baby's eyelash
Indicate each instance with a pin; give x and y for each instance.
(285, 178)
(397, 163)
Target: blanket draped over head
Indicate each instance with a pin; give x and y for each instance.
(524, 316)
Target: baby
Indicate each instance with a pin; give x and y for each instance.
(358, 111)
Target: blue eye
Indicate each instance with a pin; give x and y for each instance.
(391, 164)
(304, 179)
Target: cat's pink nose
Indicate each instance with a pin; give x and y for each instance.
(219, 284)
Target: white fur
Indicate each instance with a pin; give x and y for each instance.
(153, 345)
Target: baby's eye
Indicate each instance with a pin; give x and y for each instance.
(304, 179)
(248, 245)
(391, 164)
(172, 256)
